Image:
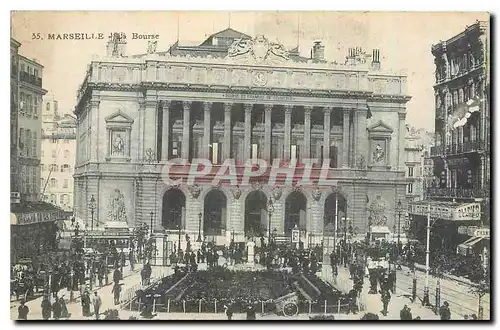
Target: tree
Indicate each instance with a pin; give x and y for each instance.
(480, 290)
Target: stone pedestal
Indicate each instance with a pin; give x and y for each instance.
(250, 253)
(380, 232)
(116, 225)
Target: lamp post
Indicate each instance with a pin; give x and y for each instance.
(425, 300)
(270, 210)
(399, 209)
(370, 219)
(151, 223)
(179, 243)
(199, 228)
(92, 209)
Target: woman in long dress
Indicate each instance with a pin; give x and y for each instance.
(86, 304)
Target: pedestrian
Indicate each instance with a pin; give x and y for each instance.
(229, 311)
(46, 307)
(85, 303)
(117, 275)
(353, 307)
(100, 276)
(56, 309)
(22, 311)
(405, 313)
(386, 298)
(97, 302)
(444, 311)
(251, 313)
(116, 292)
(474, 317)
(64, 309)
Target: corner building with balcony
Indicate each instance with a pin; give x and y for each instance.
(458, 196)
(238, 97)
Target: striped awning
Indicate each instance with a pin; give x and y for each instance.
(464, 248)
(463, 112)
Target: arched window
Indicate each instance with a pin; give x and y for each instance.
(65, 168)
(53, 183)
(66, 152)
(47, 107)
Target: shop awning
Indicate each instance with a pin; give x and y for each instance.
(463, 248)
(446, 210)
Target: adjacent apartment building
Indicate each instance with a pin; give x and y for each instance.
(458, 200)
(58, 155)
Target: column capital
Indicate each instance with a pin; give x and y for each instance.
(94, 102)
(327, 111)
(186, 105)
(288, 109)
(227, 107)
(207, 105)
(268, 107)
(165, 103)
(248, 107)
(308, 109)
(402, 115)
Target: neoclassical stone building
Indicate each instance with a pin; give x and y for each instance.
(238, 97)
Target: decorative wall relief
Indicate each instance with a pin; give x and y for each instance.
(195, 190)
(236, 192)
(316, 194)
(116, 207)
(277, 192)
(378, 210)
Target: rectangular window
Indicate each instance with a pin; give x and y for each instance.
(293, 152)
(28, 147)
(410, 188)
(34, 151)
(410, 172)
(255, 149)
(215, 153)
(54, 153)
(65, 183)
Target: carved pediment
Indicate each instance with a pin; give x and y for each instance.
(119, 117)
(380, 127)
(258, 50)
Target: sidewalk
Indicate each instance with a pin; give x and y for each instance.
(372, 302)
(130, 279)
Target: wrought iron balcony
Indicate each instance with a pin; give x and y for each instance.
(455, 149)
(456, 192)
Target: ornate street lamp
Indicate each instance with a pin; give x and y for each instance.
(92, 209)
(151, 227)
(399, 210)
(199, 240)
(270, 210)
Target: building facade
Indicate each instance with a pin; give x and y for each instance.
(58, 155)
(14, 103)
(459, 194)
(143, 121)
(29, 128)
(418, 142)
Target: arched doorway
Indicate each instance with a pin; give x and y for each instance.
(330, 209)
(295, 212)
(256, 215)
(173, 210)
(215, 213)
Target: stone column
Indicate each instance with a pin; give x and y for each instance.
(267, 132)
(207, 106)
(140, 155)
(185, 130)
(165, 146)
(345, 138)
(362, 135)
(151, 125)
(354, 137)
(248, 131)
(326, 135)
(307, 132)
(401, 141)
(227, 131)
(94, 136)
(288, 131)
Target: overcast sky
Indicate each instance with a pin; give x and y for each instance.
(404, 40)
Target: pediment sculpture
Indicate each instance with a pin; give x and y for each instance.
(236, 192)
(116, 207)
(316, 194)
(260, 49)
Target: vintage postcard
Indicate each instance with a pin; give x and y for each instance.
(250, 165)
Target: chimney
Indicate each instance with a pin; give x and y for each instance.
(376, 59)
(351, 56)
(318, 51)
